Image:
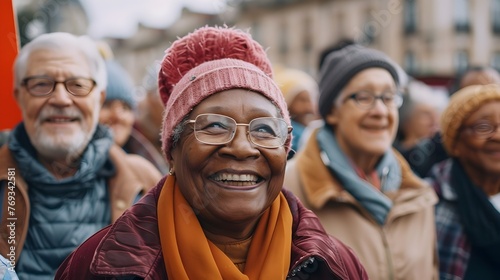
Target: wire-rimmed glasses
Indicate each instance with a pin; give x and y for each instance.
(215, 129)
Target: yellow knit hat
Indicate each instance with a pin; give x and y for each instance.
(293, 81)
(462, 104)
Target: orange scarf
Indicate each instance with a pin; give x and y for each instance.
(188, 254)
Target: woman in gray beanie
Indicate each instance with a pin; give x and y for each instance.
(362, 190)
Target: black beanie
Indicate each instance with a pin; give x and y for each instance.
(343, 64)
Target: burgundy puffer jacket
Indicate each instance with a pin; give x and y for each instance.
(131, 248)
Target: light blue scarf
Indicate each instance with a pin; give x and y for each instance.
(388, 169)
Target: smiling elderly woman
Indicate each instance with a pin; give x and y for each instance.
(362, 190)
(221, 212)
(468, 185)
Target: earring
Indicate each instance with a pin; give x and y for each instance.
(171, 171)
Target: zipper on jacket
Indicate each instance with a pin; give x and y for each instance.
(301, 271)
(383, 179)
(388, 255)
(304, 269)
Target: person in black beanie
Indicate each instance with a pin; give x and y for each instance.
(362, 189)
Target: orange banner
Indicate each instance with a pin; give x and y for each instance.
(10, 114)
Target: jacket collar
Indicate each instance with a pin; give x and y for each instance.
(319, 185)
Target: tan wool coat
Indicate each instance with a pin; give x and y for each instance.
(404, 248)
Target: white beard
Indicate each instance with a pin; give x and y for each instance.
(63, 146)
(68, 147)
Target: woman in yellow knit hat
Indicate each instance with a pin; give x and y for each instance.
(301, 93)
(468, 186)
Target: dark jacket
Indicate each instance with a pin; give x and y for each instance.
(424, 155)
(131, 248)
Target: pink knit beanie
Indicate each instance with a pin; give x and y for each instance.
(208, 61)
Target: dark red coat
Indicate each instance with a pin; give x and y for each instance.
(131, 247)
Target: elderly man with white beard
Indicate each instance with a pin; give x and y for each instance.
(61, 177)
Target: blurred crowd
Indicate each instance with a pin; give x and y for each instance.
(362, 172)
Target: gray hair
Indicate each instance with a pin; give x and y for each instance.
(417, 92)
(62, 41)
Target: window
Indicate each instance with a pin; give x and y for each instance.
(461, 61)
(495, 12)
(410, 16)
(283, 39)
(462, 16)
(410, 63)
(307, 39)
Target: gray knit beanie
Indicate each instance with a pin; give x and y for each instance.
(343, 64)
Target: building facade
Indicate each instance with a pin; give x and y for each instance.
(427, 37)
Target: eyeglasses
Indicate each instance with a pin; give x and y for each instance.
(483, 130)
(266, 132)
(366, 100)
(43, 86)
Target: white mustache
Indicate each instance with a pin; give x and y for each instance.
(48, 112)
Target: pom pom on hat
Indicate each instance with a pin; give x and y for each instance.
(294, 81)
(208, 61)
(462, 104)
(341, 65)
(120, 85)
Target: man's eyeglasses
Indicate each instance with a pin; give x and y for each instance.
(43, 86)
(366, 100)
(482, 130)
(266, 132)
